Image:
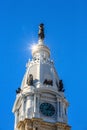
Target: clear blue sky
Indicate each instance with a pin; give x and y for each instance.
(66, 35)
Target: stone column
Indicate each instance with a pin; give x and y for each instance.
(22, 112)
(57, 109)
(16, 114)
(38, 100)
(61, 108)
(63, 112)
(62, 105)
(35, 103)
(29, 106)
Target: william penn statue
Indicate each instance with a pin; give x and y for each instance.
(41, 31)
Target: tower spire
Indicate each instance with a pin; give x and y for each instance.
(41, 33)
(40, 102)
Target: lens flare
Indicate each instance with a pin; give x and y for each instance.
(33, 46)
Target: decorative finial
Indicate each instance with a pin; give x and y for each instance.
(41, 31)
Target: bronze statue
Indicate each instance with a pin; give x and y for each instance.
(48, 82)
(61, 87)
(41, 31)
(18, 90)
(30, 79)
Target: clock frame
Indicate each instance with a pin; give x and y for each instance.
(47, 109)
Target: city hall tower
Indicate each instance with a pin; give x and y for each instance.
(40, 102)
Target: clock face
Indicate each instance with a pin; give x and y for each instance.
(47, 109)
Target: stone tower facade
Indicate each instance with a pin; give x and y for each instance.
(40, 102)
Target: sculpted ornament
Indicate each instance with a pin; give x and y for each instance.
(47, 127)
(28, 125)
(36, 124)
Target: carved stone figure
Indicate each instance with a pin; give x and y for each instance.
(30, 79)
(41, 31)
(61, 88)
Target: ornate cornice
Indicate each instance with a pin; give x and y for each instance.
(39, 123)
